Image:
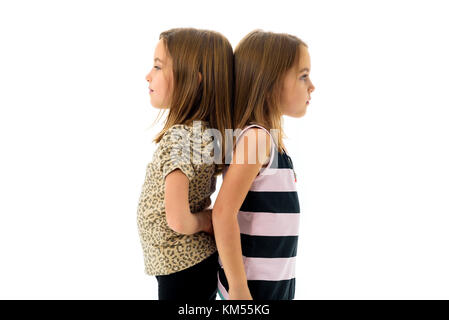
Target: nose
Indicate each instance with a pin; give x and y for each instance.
(148, 77)
(311, 88)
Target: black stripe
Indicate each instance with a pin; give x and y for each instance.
(271, 201)
(281, 163)
(222, 278)
(272, 290)
(266, 290)
(269, 247)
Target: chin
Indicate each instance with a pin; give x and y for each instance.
(298, 114)
(157, 105)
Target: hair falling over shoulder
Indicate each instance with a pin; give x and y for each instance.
(261, 60)
(208, 53)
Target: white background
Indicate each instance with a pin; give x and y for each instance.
(371, 154)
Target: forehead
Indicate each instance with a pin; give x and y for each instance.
(160, 51)
(304, 58)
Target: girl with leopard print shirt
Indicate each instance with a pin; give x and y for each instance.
(192, 78)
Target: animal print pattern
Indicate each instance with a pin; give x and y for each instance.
(165, 250)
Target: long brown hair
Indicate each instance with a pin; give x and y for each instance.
(207, 52)
(261, 60)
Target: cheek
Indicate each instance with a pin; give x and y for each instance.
(288, 93)
(165, 90)
(301, 91)
(295, 95)
(165, 82)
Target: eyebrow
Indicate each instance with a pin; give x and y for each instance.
(157, 59)
(304, 69)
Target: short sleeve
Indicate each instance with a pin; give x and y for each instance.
(176, 150)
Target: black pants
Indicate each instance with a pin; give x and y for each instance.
(197, 283)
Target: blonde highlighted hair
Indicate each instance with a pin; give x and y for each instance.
(207, 52)
(261, 60)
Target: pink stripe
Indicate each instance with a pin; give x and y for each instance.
(268, 224)
(222, 289)
(271, 269)
(275, 180)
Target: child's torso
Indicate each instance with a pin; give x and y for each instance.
(269, 225)
(166, 251)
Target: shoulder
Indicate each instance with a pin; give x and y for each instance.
(255, 137)
(254, 141)
(256, 133)
(195, 128)
(178, 129)
(176, 133)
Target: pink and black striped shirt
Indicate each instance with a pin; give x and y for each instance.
(269, 225)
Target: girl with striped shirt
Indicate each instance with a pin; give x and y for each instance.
(256, 213)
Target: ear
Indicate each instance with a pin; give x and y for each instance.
(200, 77)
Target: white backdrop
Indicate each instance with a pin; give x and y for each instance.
(371, 154)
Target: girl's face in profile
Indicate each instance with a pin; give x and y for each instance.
(297, 87)
(160, 78)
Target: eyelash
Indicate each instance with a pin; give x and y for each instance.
(157, 68)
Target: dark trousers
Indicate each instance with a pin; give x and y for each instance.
(197, 283)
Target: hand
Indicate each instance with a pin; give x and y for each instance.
(206, 221)
(242, 293)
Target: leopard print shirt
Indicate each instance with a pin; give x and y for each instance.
(165, 250)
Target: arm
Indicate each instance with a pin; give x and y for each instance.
(234, 189)
(177, 209)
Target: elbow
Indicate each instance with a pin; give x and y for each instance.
(219, 215)
(176, 225)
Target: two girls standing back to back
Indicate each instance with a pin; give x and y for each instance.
(255, 217)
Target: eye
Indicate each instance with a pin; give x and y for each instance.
(304, 77)
(157, 68)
